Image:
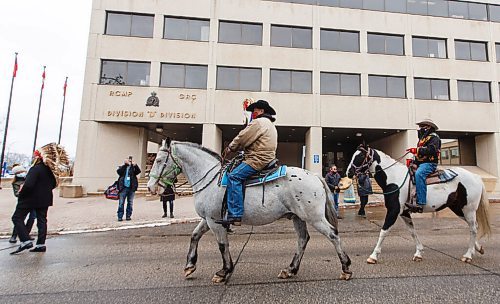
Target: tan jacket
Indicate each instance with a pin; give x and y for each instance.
(259, 140)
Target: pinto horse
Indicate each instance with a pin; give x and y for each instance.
(300, 196)
(465, 196)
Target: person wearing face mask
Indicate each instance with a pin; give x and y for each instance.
(426, 158)
(259, 141)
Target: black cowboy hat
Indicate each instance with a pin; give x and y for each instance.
(262, 104)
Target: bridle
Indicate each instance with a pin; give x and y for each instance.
(163, 179)
(367, 161)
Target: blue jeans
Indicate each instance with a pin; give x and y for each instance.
(420, 176)
(235, 180)
(336, 201)
(128, 194)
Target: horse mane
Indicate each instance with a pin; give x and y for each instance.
(197, 146)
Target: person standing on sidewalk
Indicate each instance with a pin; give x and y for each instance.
(332, 180)
(19, 178)
(364, 189)
(127, 185)
(168, 196)
(35, 193)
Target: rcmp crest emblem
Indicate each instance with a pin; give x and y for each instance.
(153, 100)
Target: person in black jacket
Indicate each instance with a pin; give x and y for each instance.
(332, 179)
(36, 193)
(19, 178)
(127, 185)
(168, 196)
(426, 158)
(364, 190)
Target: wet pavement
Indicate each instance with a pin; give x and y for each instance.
(145, 266)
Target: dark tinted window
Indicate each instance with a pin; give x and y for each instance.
(478, 11)
(340, 84)
(474, 91)
(387, 86)
(241, 33)
(186, 29)
(126, 24)
(376, 5)
(351, 3)
(339, 40)
(431, 89)
(385, 44)
(239, 79)
(495, 13)
(429, 47)
(184, 76)
(291, 81)
(287, 36)
(418, 7)
(470, 50)
(437, 8)
(125, 73)
(458, 9)
(396, 6)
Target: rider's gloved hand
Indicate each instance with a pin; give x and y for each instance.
(412, 151)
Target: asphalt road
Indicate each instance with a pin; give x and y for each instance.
(145, 266)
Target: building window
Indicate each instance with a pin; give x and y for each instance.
(125, 73)
(429, 47)
(395, 6)
(239, 79)
(287, 36)
(474, 91)
(387, 86)
(183, 76)
(286, 81)
(436, 89)
(478, 11)
(334, 40)
(497, 50)
(340, 84)
(374, 5)
(186, 29)
(494, 13)
(127, 24)
(471, 50)
(240, 33)
(385, 44)
(351, 3)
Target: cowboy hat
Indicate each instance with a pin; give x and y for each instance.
(261, 104)
(427, 122)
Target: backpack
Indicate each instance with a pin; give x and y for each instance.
(112, 192)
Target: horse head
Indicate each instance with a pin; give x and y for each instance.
(165, 168)
(364, 159)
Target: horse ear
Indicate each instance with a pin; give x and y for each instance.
(168, 141)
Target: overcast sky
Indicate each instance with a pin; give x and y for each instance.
(52, 33)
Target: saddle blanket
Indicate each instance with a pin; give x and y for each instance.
(441, 176)
(256, 180)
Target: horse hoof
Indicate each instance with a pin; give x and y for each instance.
(346, 276)
(217, 279)
(284, 274)
(466, 260)
(189, 270)
(481, 250)
(417, 258)
(371, 261)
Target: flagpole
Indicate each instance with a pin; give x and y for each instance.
(39, 107)
(7, 120)
(62, 114)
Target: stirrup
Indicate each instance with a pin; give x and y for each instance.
(236, 221)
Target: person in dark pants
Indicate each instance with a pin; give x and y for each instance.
(19, 178)
(364, 189)
(127, 185)
(36, 193)
(332, 179)
(168, 196)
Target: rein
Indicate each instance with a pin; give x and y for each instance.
(390, 192)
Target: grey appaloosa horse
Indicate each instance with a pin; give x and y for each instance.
(300, 196)
(465, 195)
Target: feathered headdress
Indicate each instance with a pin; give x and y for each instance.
(55, 157)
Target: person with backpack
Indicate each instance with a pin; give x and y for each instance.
(18, 181)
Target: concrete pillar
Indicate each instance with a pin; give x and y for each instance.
(95, 169)
(314, 150)
(212, 137)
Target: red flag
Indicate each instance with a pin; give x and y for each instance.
(43, 78)
(65, 86)
(15, 68)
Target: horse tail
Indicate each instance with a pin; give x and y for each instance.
(483, 215)
(330, 214)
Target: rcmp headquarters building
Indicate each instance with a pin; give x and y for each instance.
(338, 72)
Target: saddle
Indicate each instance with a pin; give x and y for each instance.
(271, 172)
(439, 176)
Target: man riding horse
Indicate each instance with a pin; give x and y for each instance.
(259, 141)
(426, 158)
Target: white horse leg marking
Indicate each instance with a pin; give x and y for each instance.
(303, 237)
(470, 218)
(373, 258)
(227, 263)
(332, 234)
(417, 257)
(192, 255)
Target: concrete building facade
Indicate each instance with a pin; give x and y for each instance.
(338, 73)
